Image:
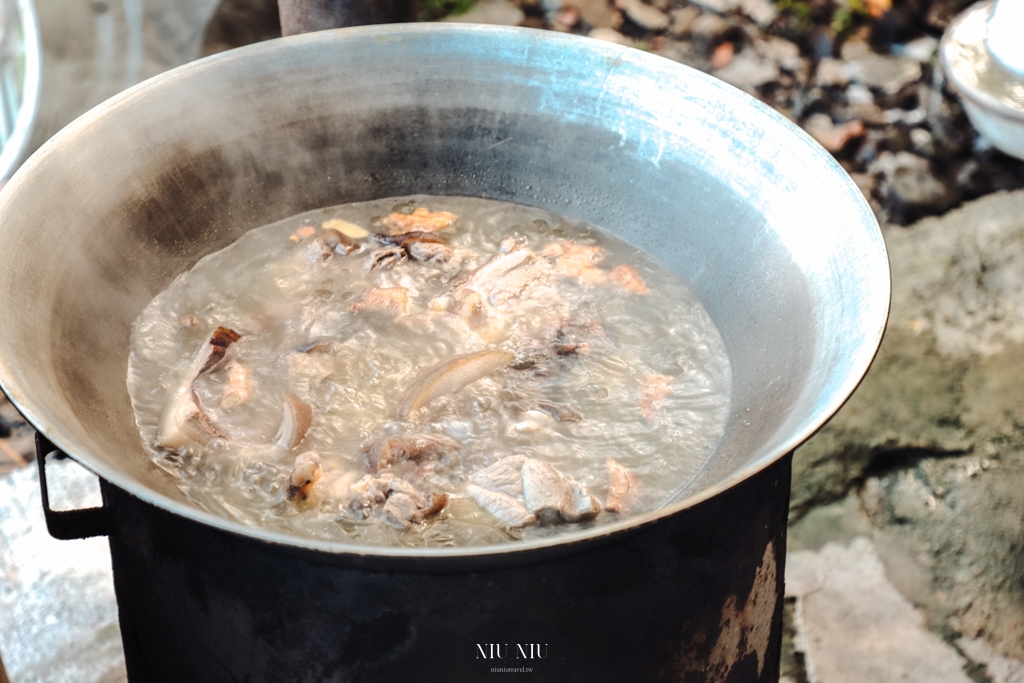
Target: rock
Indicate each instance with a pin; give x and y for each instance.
(911, 188)
(644, 15)
(719, 6)
(853, 626)
(999, 669)
(889, 74)
(855, 49)
(831, 72)
(783, 52)
(598, 13)
(932, 442)
(830, 136)
(748, 71)
(969, 276)
(708, 30)
(761, 12)
(609, 35)
(921, 49)
(58, 614)
(496, 12)
(682, 20)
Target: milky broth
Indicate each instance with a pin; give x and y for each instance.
(274, 289)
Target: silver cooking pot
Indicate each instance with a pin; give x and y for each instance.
(769, 232)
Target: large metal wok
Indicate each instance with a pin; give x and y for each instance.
(766, 228)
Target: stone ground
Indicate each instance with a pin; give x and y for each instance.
(906, 557)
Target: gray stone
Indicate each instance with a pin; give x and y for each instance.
(58, 615)
(783, 52)
(609, 35)
(831, 72)
(720, 6)
(886, 73)
(682, 20)
(495, 12)
(644, 15)
(761, 12)
(911, 185)
(853, 626)
(597, 13)
(748, 71)
(999, 669)
(922, 49)
(708, 29)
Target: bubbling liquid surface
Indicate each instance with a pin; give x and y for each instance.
(602, 366)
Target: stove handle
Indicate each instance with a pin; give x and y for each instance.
(67, 525)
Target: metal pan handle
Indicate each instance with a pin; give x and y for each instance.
(67, 525)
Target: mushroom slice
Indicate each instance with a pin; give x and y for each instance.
(622, 487)
(509, 510)
(307, 471)
(295, 422)
(449, 376)
(184, 422)
(212, 352)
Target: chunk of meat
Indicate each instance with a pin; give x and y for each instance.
(329, 241)
(504, 277)
(421, 219)
(383, 299)
(654, 389)
(404, 505)
(503, 476)
(576, 260)
(238, 385)
(623, 487)
(627, 277)
(403, 511)
(544, 493)
(383, 452)
(562, 413)
(566, 338)
(420, 246)
(386, 258)
(508, 509)
(306, 472)
(345, 228)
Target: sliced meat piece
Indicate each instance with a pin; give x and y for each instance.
(403, 510)
(420, 219)
(383, 299)
(546, 493)
(582, 505)
(654, 389)
(503, 476)
(576, 260)
(329, 242)
(509, 510)
(622, 487)
(383, 452)
(627, 277)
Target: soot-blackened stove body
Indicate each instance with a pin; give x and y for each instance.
(696, 596)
